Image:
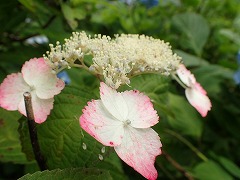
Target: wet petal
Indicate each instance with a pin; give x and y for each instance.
(139, 149)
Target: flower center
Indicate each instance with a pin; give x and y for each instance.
(32, 88)
(127, 122)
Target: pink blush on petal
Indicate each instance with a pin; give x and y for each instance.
(11, 91)
(198, 87)
(199, 101)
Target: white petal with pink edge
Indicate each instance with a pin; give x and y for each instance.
(185, 75)
(41, 107)
(139, 149)
(99, 123)
(113, 102)
(11, 91)
(140, 109)
(198, 100)
(39, 76)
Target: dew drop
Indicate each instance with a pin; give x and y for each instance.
(84, 146)
(103, 149)
(100, 157)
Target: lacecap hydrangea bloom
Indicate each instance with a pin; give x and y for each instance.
(123, 120)
(117, 59)
(37, 78)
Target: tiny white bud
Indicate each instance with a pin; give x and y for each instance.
(142, 69)
(91, 68)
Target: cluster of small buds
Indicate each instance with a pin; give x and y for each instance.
(124, 56)
(117, 59)
(65, 56)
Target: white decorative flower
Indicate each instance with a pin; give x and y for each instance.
(37, 78)
(123, 121)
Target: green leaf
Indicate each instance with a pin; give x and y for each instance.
(10, 147)
(190, 60)
(69, 15)
(40, 9)
(184, 117)
(83, 78)
(210, 170)
(71, 173)
(150, 83)
(195, 30)
(62, 141)
(217, 73)
(233, 36)
(55, 31)
(230, 166)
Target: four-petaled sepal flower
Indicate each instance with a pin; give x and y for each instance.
(37, 78)
(195, 94)
(123, 121)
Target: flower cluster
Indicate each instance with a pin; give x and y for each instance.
(64, 56)
(116, 59)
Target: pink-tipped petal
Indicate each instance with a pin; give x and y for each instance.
(41, 108)
(185, 75)
(198, 100)
(99, 123)
(199, 88)
(140, 109)
(39, 76)
(11, 91)
(139, 149)
(114, 102)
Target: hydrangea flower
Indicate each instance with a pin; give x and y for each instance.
(116, 59)
(195, 94)
(123, 121)
(36, 77)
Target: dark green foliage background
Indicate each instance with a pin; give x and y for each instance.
(206, 34)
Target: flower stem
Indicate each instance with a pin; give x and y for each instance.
(187, 143)
(179, 81)
(33, 132)
(177, 166)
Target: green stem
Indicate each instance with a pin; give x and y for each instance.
(179, 81)
(187, 143)
(177, 166)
